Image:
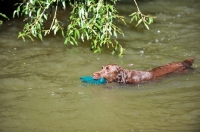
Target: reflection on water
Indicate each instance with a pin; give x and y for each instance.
(40, 88)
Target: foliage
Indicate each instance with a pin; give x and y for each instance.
(3, 15)
(36, 13)
(138, 16)
(94, 21)
(89, 20)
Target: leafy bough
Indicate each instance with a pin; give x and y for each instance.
(139, 17)
(94, 22)
(90, 20)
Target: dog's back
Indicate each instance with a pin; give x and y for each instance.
(174, 67)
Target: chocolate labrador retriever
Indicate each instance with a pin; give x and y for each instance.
(115, 73)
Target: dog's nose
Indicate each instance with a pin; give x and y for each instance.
(96, 75)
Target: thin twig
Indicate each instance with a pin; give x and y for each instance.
(137, 5)
(53, 17)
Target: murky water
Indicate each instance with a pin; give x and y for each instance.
(40, 88)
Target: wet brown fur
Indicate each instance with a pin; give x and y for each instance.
(115, 73)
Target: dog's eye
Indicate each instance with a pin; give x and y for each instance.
(102, 67)
(107, 68)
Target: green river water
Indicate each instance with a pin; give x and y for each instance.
(40, 89)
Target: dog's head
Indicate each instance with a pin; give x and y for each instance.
(109, 72)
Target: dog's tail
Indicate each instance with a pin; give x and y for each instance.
(175, 67)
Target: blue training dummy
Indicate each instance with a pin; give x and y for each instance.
(91, 80)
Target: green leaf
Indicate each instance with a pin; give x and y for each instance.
(16, 4)
(138, 15)
(14, 13)
(3, 15)
(134, 17)
(30, 37)
(150, 20)
(87, 36)
(45, 32)
(77, 33)
(18, 8)
(139, 22)
(82, 37)
(115, 33)
(132, 14)
(98, 50)
(30, 14)
(54, 26)
(98, 26)
(74, 40)
(38, 26)
(121, 51)
(21, 35)
(71, 42)
(45, 16)
(111, 8)
(146, 26)
(95, 51)
(33, 31)
(102, 42)
(113, 52)
(66, 40)
(63, 34)
(23, 38)
(38, 12)
(95, 42)
(63, 3)
(117, 43)
(56, 29)
(40, 36)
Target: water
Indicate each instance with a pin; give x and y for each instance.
(40, 88)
